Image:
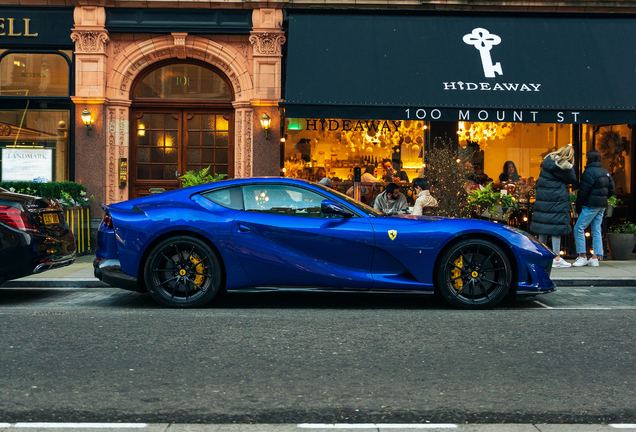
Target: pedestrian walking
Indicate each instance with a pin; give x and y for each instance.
(595, 188)
(551, 214)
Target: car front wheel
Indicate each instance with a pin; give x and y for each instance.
(474, 274)
(182, 272)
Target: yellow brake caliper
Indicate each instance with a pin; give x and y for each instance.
(200, 268)
(456, 273)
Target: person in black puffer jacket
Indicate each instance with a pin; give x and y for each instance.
(595, 188)
(551, 213)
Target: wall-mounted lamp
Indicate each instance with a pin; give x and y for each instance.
(266, 121)
(87, 119)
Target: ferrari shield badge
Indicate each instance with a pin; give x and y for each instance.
(392, 234)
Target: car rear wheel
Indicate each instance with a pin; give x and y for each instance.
(474, 274)
(182, 272)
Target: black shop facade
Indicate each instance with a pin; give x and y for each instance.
(363, 86)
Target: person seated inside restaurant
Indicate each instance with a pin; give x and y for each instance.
(391, 201)
(321, 177)
(390, 175)
(510, 174)
(370, 175)
(424, 198)
(479, 173)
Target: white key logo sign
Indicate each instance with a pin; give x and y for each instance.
(483, 40)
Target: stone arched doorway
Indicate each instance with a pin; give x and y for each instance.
(182, 119)
(138, 61)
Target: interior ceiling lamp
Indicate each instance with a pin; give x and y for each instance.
(482, 132)
(87, 119)
(266, 122)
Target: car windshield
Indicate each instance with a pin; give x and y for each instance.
(369, 211)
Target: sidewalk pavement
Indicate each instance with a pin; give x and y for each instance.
(80, 275)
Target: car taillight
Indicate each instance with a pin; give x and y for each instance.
(107, 222)
(15, 218)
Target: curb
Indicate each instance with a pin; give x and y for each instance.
(623, 282)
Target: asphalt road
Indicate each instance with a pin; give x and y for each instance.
(104, 355)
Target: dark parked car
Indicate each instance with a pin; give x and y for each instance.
(34, 236)
(186, 245)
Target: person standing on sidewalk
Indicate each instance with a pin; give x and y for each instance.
(595, 188)
(551, 214)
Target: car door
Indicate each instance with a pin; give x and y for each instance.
(283, 239)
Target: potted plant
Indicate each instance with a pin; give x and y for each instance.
(612, 202)
(621, 239)
(193, 178)
(483, 201)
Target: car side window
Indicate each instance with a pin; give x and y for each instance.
(282, 200)
(227, 197)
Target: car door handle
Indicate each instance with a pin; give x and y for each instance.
(244, 228)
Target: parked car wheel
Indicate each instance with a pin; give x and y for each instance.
(182, 272)
(474, 274)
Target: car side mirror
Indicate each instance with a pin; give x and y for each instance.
(329, 207)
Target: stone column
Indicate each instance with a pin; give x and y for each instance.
(243, 131)
(266, 38)
(117, 147)
(90, 39)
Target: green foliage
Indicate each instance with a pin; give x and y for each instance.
(69, 194)
(613, 201)
(192, 178)
(484, 199)
(508, 201)
(488, 199)
(623, 228)
(447, 178)
(573, 197)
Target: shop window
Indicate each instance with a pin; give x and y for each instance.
(339, 145)
(34, 145)
(614, 142)
(183, 81)
(34, 74)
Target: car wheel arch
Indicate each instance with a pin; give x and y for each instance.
(480, 236)
(142, 262)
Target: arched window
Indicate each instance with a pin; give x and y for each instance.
(183, 81)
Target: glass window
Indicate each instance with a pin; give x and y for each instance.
(183, 81)
(24, 74)
(228, 197)
(282, 200)
(34, 145)
(614, 142)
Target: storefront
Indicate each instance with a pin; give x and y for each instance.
(36, 84)
(497, 87)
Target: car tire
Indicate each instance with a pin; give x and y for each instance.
(474, 274)
(182, 272)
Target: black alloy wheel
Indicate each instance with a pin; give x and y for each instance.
(474, 274)
(182, 272)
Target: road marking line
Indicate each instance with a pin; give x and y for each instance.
(541, 304)
(81, 425)
(377, 426)
(624, 426)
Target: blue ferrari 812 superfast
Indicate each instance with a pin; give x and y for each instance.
(188, 245)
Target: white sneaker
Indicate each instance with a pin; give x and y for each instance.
(560, 263)
(593, 262)
(580, 262)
